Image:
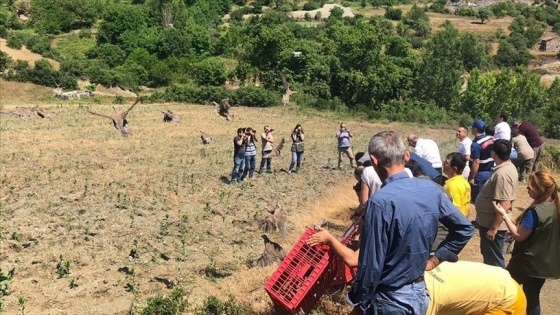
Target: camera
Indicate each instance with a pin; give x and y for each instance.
(271, 130)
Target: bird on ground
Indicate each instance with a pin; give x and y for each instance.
(273, 253)
(206, 139)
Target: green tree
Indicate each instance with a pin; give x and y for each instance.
(439, 78)
(474, 52)
(210, 71)
(484, 15)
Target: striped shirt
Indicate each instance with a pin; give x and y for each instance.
(250, 148)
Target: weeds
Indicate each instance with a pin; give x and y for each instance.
(134, 251)
(21, 303)
(63, 267)
(73, 284)
(164, 226)
(174, 304)
(5, 280)
(213, 306)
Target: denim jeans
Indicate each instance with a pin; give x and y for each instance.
(479, 180)
(532, 289)
(268, 161)
(297, 157)
(492, 251)
(409, 299)
(250, 161)
(237, 172)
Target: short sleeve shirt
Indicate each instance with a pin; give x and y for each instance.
(502, 131)
(465, 146)
(501, 186)
(343, 139)
(370, 178)
(266, 146)
(238, 150)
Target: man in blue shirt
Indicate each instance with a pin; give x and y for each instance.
(427, 168)
(399, 227)
(481, 162)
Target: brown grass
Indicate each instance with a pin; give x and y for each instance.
(25, 55)
(21, 93)
(73, 187)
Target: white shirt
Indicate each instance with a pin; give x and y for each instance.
(428, 150)
(465, 146)
(370, 178)
(502, 131)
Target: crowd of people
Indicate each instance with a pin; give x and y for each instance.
(414, 209)
(245, 152)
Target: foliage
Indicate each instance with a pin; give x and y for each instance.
(5, 280)
(15, 40)
(174, 304)
(5, 60)
(394, 14)
(213, 306)
(466, 11)
(210, 71)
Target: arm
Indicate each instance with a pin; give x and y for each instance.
(338, 133)
(240, 141)
(460, 232)
(364, 193)
(294, 136)
(474, 170)
(323, 236)
(350, 134)
(498, 219)
(269, 138)
(519, 233)
(301, 136)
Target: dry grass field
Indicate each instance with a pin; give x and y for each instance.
(129, 214)
(25, 54)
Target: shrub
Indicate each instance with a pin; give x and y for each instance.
(15, 40)
(311, 5)
(210, 71)
(466, 11)
(174, 304)
(255, 96)
(213, 306)
(5, 60)
(39, 44)
(394, 14)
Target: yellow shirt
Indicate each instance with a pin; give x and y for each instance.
(460, 190)
(469, 288)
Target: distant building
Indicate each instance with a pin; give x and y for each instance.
(296, 54)
(551, 44)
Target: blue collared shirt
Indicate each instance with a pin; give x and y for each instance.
(400, 225)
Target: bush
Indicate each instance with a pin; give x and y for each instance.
(213, 306)
(15, 40)
(5, 60)
(39, 44)
(255, 97)
(393, 14)
(163, 305)
(466, 11)
(210, 71)
(311, 5)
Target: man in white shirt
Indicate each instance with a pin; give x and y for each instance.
(426, 149)
(502, 129)
(464, 148)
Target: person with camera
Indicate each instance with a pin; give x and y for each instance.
(297, 148)
(238, 157)
(267, 141)
(250, 152)
(343, 135)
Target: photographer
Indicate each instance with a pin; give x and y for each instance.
(238, 157)
(343, 135)
(297, 148)
(250, 152)
(267, 141)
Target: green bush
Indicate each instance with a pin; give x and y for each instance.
(213, 306)
(39, 44)
(174, 304)
(210, 71)
(255, 97)
(466, 11)
(394, 14)
(311, 5)
(15, 40)
(5, 60)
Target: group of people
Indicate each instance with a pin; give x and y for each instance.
(414, 225)
(245, 152)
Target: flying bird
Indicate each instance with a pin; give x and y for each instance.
(118, 118)
(223, 109)
(206, 139)
(273, 253)
(287, 91)
(276, 151)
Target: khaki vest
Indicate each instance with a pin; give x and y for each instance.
(539, 255)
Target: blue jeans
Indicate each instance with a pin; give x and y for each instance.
(409, 299)
(297, 157)
(250, 161)
(479, 180)
(492, 251)
(237, 172)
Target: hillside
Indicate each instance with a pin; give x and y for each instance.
(126, 213)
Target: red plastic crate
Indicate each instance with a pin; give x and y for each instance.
(302, 277)
(342, 273)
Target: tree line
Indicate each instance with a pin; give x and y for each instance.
(394, 67)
